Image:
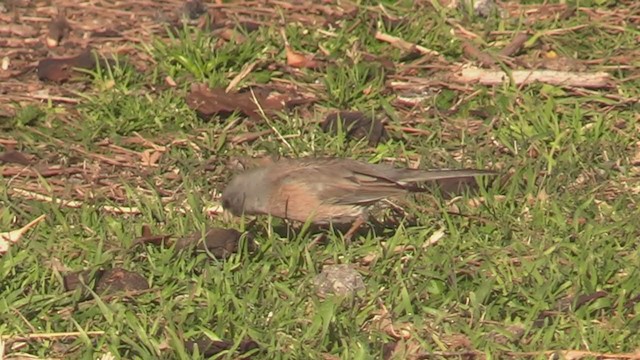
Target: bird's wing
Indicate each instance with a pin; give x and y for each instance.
(370, 183)
(341, 182)
(351, 182)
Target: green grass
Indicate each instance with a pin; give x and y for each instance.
(560, 222)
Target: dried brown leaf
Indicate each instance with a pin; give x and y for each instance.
(150, 157)
(208, 102)
(12, 237)
(120, 280)
(15, 157)
(300, 61)
(61, 69)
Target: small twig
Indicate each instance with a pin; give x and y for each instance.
(8, 142)
(247, 137)
(126, 210)
(37, 336)
(410, 130)
(33, 173)
(483, 58)
(44, 198)
(564, 30)
(522, 77)
(53, 98)
(463, 31)
(149, 143)
(405, 45)
(102, 158)
(264, 116)
(244, 73)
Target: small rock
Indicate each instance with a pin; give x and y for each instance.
(340, 280)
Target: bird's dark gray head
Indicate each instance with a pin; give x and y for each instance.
(247, 193)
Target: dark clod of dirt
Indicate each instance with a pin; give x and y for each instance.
(208, 347)
(356, 125)
(74, 280)
(61, 69)
(120, 280)
(58, 30)
(193, 9)
(221, 243)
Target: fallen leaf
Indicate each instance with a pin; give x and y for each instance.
(299, 61)
(386, 63)
(15, 157)
(61, 69)
(150, 157)
(479, 201)
(382, 320)
(231, 35)
(209, 102)
(12, 237)
(356, 125)
(434, 238)
(120, 280)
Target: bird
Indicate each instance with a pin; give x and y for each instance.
(325, 190)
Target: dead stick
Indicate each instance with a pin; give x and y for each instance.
(520, 77)
(30, 173)
(404, 45)
(515, 45)
(483, 58)
(49, 335)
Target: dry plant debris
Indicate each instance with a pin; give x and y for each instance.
(554, 116)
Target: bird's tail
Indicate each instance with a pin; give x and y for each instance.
(414, 176)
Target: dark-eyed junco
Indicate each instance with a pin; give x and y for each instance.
(325, 190)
